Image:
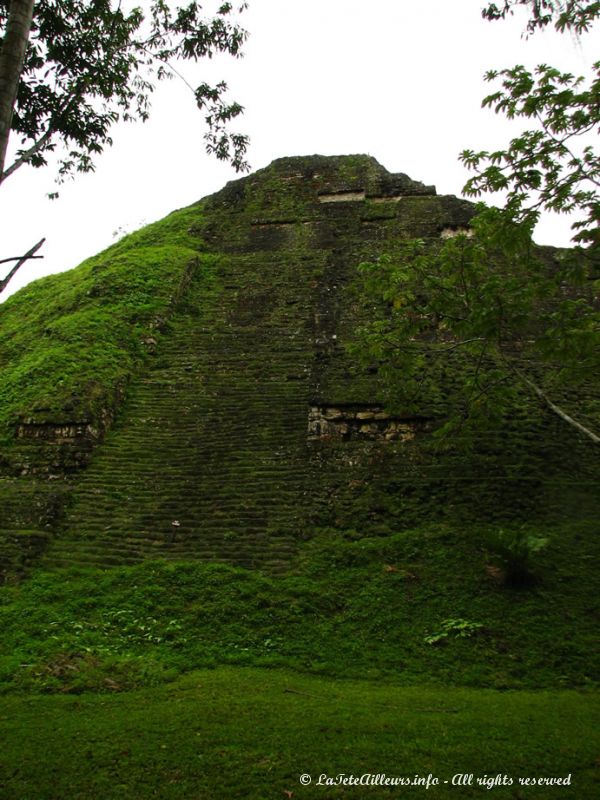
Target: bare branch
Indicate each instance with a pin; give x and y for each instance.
(16, 258)
(28, 255)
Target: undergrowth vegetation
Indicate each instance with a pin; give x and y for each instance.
(427, 605)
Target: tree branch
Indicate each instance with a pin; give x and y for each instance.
(426, 348)
(16, 258)
(556, 409)
(25, 157)
(28, 255)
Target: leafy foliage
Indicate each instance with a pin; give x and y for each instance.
(484, 304)
(454, 628)
(90, 64)
(573, 15)
(545, 168)
(554, 166)
(490, 304)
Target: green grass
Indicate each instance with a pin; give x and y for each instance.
(236, 733)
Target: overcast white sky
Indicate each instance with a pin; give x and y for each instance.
(401, 80)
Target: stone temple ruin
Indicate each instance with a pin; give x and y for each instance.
(247, 425)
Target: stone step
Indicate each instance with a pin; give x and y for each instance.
(212, 435)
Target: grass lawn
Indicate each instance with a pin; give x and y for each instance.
(236, 732)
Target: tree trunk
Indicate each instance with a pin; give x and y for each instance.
(12, 54)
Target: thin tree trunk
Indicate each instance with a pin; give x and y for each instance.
(12, 53)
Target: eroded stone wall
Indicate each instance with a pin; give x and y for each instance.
(366, 422)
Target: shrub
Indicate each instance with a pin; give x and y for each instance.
(514, 550)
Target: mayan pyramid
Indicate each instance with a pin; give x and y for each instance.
(188, 394)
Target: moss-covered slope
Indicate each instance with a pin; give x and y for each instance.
(189, 394)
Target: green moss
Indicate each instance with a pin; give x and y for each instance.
(68, 341)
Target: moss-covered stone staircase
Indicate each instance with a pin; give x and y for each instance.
(208, 458)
